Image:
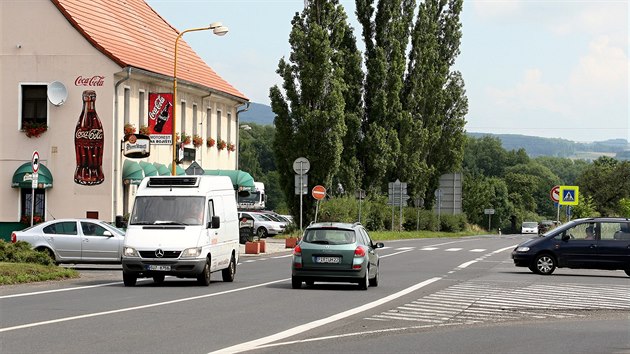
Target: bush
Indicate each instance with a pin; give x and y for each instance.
(453, 223)
(21, 252)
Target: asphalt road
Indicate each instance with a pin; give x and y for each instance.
(435, 295)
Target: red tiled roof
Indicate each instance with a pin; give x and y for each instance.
(131, 33)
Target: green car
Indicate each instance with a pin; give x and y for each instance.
(335, 252)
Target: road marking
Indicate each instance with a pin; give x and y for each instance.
(65, 289)
(478, 250)
(452, 249)
(428, 248)
(404, 248)
(134, 308)
(251, 345)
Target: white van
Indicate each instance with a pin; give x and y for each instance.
(186, 226)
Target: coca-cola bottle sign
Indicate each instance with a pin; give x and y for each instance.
(88, 143)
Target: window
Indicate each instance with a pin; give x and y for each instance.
(229, 127)
(142, 118)
(40, 202)
(218, 126)
(92, 229)
(195, 123)
(208, 125)
(63, 228)
(182, 121)
(34, 105)
(126, 97)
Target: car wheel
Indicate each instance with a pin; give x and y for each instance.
(374, 281)
(262, 232)
(296, 283)
(204, 277)
(129, 279)
(228, 273)
(363, 283)
(309, 283)
(545, 264)
(159, 278)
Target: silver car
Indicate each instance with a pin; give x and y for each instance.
(75, 240)
(263, 225)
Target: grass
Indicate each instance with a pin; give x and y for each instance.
(16, 273)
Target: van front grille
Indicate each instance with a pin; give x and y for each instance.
(167, 254)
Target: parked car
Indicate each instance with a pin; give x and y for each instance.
(263, 224)
(335, 252)
(75, 240)
(596, 243)
(545, 226)
(529, 227)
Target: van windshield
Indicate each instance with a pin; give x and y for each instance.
(173, 210)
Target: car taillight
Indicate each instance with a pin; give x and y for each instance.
(13, 237)
(297, 251)
(359, 252)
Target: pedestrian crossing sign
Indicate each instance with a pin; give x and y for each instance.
(569, 195)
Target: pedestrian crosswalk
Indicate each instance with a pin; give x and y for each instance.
(475, 302)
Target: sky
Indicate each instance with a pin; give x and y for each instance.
(548, 68)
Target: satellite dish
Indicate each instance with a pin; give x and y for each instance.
(57, 93)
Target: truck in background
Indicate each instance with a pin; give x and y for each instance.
(256, 200)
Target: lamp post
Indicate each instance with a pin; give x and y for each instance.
(218, 29)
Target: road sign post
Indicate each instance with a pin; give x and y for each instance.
(489, 212)
(554, 194)
(301, 165)
(318, 192)
(34, 176)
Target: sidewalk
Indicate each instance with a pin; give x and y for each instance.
(272, 245)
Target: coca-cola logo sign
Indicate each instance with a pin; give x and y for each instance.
(96, 80)
(157, 108)
(92, 134)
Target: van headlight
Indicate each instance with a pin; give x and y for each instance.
(522, 249)
(130, 252)
(191, 252)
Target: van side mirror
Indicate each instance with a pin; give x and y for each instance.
(215, 223)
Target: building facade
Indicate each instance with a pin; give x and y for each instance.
(52, 53)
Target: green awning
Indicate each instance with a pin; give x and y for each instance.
(162, 169)
(241, 180)
(132, 172)
(178, 169)
(22, 177)
(148, 168)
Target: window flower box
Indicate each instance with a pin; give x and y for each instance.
(210, 142)
(34, 130)
(144, 130)
(221, 145)
(197, 141)
(231, 147)
(129, 129)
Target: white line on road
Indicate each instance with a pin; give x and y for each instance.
(72, 318)
(308, 326)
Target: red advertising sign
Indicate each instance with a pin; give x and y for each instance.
(160, 113)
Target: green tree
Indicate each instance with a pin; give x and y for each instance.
(310, 115)
(606, 181)
(480, 193)
(566, 169)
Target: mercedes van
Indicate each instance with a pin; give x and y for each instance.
(183, 226)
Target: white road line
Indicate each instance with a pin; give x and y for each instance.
(285, 256)
(428, 248)
(478, 250)
(65, 289)
(404, 248)
(452, 249)
(393, 254)
(308, 326)
(127, 309)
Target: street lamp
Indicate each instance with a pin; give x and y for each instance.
(218, 29)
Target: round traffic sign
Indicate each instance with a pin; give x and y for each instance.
(555, 193)
(35, 161)
(319, 192)
(301, 165)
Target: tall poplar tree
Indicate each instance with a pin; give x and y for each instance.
(435, 97)
(311, 114)
(386, 32)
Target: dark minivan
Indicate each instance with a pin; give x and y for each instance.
(595, 243)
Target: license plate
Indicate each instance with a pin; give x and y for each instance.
(334, 260)
(159, 267)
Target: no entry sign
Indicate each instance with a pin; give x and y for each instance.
(319, 192)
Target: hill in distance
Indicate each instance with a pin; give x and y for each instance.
(258, 113)
(534, 146)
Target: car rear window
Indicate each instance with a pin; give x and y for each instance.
(329, 236)
(530, 224)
